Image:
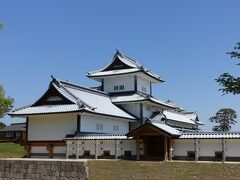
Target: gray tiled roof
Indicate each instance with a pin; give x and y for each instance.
(210, 135)
(97, 137)
(135, 67)
(15, 127)
(83, 99)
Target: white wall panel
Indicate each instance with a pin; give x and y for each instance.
(88, 124)
(51, 127)
(209, 146)
(182, 146)
(127, 81)
(143, 83)
(233, 147)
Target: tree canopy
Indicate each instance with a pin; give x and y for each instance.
(2, 125)
(6, 103)
(224, 118)
(1, 25)
(229, 83)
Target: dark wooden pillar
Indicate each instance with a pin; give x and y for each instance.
(170, 149)
(28, 150)
(135, 83)
(78, 123)
(138, 147)
(165, 148)
(50, 148)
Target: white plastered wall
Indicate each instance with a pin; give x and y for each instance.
(207, 147)
(51, 127)
(133, 108)
(126, 80)
(103, 145)
(143, 83)
(182, 146)
(233, 147)
(89, 122)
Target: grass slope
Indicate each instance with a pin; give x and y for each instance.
(106, 170)
(11, 150)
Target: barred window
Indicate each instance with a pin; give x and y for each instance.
(99, 126)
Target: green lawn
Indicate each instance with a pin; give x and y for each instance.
(121, 170)
(11, 150)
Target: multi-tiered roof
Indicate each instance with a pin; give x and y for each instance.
(122, 64)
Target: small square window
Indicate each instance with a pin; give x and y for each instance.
(115, 128)
(106, 153)
(86, 153)
(121, 87)
(99, 126)
(218, 154)
(191, 154)
(115, 88)
(127, 153)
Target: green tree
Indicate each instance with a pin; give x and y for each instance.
(6, 103)
(229, 83)
(225, 118)
(2, 125)
(1, 25)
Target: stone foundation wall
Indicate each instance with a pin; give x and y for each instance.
(42, 169)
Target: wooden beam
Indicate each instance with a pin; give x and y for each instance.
(28, 150)
(77, 154)
(171, 149)
(78, 123)
(165, 148)
(135, 83)
(67, 153)
(50, 148)
(96, 149)
(46, 143)
(196, 149)
(116, 149)
(223, 150)
(27, 121)
(138, 148)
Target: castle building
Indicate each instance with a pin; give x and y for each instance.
(120, 118)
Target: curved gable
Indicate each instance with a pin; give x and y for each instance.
(52, 97)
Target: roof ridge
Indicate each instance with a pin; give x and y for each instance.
(139, 65)
(84, 87)
(211, 132)
(20, 108)
(79, 102)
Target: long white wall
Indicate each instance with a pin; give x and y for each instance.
(51, 127)
(207, 147)
(182, 146)
(103, 145)
(233, 148)
(89, 124)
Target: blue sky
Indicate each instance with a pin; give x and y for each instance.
(184, 41)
